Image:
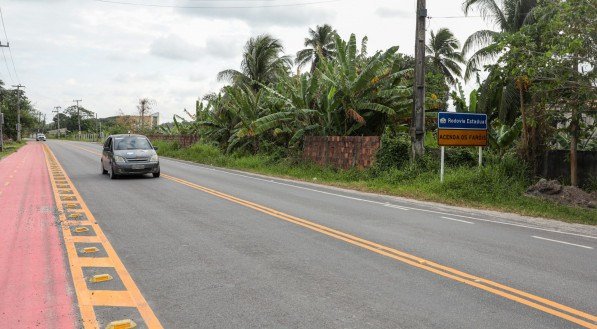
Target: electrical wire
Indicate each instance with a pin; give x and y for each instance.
(9, 50)
(296, 4)
(469, 16)
(6, 63)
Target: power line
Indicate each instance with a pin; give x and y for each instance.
(6, 63)
(296, 4)
(462, 16)
(9, 50)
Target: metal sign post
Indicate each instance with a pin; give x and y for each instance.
(461, 129)
(441, 169)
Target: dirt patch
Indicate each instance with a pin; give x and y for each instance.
(568, 195)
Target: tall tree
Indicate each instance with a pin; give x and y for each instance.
(508, 15)
(144, 106)
(443, 53)
(498, 97)
(262, 63)
(554, 59)
(320, 43)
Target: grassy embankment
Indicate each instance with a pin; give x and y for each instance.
(492, 187)
(10, 147)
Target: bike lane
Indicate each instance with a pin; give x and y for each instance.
(35, 291)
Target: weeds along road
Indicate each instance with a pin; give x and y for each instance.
(213, 248)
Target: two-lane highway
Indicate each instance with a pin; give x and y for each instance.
(216, 248)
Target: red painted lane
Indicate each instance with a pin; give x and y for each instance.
(34, 287)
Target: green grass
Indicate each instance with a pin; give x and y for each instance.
(494, 187)
(10, 147)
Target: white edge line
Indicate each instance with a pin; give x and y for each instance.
(458, 220)
(558, 241)
(382, 203)
(208, 167)
(389, 205)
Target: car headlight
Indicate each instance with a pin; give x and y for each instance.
(119, 159)
(154, 158)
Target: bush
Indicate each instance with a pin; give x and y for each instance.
(394, 152)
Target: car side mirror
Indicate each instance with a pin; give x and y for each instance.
(155, 148)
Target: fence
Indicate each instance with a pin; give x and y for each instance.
(182, 140)
(342, 151)
(557, 165)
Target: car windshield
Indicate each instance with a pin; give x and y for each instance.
(131, 143)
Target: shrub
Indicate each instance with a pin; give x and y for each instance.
(394, 152)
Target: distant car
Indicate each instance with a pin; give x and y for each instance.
(129, 154)
(40, 137)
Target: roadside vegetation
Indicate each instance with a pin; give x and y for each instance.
(533, 75)
(498, 185)
(9, 148)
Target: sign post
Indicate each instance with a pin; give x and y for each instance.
(461, 129)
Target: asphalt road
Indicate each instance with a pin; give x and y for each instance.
(204, 261)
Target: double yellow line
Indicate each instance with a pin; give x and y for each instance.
(542, 304)
(562, 311)
(65, 193)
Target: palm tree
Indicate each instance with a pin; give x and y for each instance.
(498, 96)
(508, 15)
(261, 64)
(320, 43)
(443, 52)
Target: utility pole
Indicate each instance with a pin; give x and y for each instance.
(1, 133)
(39, 129)
(57, 111)
(78, 115)
(19, 86)
(1, 124)
(418, 114)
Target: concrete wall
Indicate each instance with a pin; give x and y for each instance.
(342, 151)
(183, 140)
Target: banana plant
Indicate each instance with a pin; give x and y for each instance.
(502, 136)
(365, 88)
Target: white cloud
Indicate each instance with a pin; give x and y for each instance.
(115, 54)
(174, 47)
(259, 16)
(387, 12)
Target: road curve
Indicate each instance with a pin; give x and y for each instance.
(284, 256)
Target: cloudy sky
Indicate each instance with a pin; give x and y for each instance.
(110, 54)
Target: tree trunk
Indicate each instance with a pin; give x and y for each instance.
(525, 142)
(574, 125)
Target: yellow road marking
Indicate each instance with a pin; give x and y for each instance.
(562, 311)
(445, 271)
(87, 299)
(111, 298)
(95, 262)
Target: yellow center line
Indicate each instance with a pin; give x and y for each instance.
(545, 305)
(87, 299)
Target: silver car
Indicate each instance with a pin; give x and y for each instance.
(129, 154)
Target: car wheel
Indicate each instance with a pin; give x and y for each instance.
(111, 173)
(156, 174)
(104, 171)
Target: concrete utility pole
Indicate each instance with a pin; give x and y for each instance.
(1, 133)
(418, 114)
(57, 111)
(19, 86)
(39, 129)
(78, 115)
